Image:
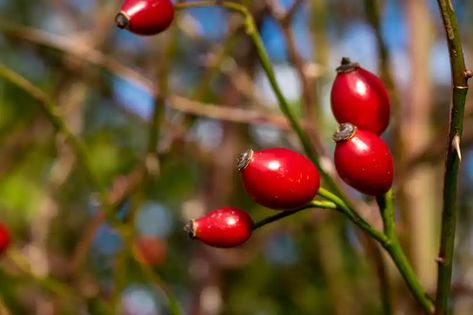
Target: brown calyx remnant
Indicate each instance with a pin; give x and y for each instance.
(344, 132)
(347, 66)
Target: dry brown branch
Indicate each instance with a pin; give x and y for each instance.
(82, 51)
(122, 187)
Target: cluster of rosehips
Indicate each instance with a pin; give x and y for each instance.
(360, 104)
(286, 180)
(276, 178)
(280, 178)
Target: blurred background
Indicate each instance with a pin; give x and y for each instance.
(164, 118)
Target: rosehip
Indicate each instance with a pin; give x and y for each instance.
(150, 250)
(4, 238)
(279, 178)
(224, 227)
(363, 160)
(360, 98)
(145, 17)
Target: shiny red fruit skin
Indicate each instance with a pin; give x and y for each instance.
(281, 179)
(4, 238)
(365, 163)
(145, 17)
(360, 98)
(224, 227)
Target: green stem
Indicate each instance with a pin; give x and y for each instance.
(460, 89)
(320, 204)
(393, 247)
(383, 278)
(353, 216)
(386, 206)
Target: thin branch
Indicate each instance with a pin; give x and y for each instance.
(51, 110)
(283, 214)
(179, 103)
(307, 90)
(452, 163)
(293, 9)
(50, 284)
(121, 189)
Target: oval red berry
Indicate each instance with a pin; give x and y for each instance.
(279, 178)
(360, 98)
(363, 160)
(145, 17)
(150, 250)
(4, 238)
(224, 227)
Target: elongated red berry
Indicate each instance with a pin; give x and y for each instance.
(224, 227)
(4, 238)
(363, 160)
(150, 250)
(360, 98)
(145, 17)
(279, 178)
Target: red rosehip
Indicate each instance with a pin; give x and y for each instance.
(150, 250)
(4, 238)
(360, 98)
(145, 17)
(363, 160)
(224, 227)
(279, 178)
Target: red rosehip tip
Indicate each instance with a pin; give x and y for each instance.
(190, 229)
(346, 65)
(244, 159)
(122, 20)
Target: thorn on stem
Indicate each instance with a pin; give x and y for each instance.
(440, 260)
(468, 74)
(456, 146)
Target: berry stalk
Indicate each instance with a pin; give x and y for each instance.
(393, 247)
(281, 215)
